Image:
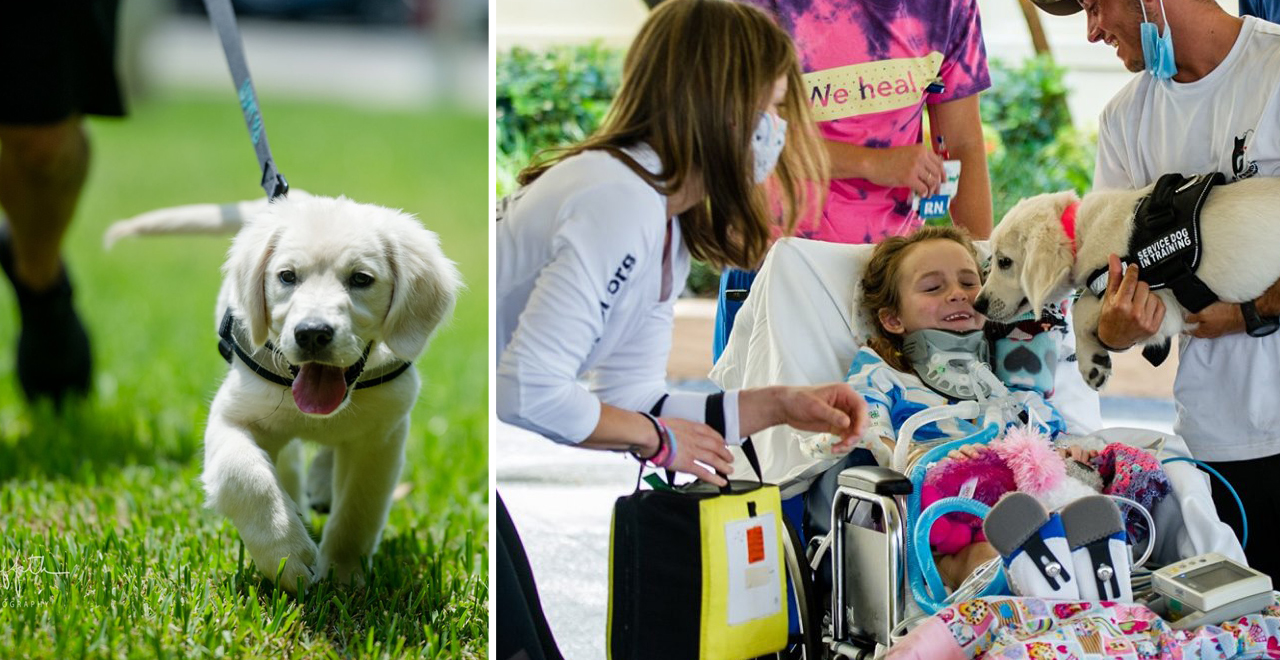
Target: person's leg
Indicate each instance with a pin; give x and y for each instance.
(42, 169)
(523, 632)
(817, 509)
(957, 568)
(1253, 481)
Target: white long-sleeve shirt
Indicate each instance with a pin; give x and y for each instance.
(1229, 122)
(579, 295)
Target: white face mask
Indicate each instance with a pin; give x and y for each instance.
(766, 144)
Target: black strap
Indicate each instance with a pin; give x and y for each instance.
(750, 450)
(1099, 556)
(1041, 556)
(714, 413)
(223, 18)
(390, 375)
(228, 346)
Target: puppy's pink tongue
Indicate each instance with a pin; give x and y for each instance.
(319, 389)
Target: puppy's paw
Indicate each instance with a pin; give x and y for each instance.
(350, 573)
(320, 481)
(299, 553)
(1095, 368)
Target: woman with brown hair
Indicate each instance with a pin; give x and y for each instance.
(594, 247)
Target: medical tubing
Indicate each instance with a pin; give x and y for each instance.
(1244, 518)
(921, 573)
(982, 576)
(1151, 526)
(924, 557)
(962, 410)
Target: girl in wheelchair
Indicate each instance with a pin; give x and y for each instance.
(931, 351)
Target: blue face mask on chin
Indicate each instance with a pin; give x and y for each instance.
(1157, 50)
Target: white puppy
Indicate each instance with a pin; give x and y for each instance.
(324, 303)
(1033, 260)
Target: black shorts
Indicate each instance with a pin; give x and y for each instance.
(57, 59)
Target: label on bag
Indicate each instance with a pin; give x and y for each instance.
(754, 576)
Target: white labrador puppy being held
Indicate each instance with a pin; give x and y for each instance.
(324, 304)
(1033, 259)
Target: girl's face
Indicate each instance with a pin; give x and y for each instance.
(937, 283)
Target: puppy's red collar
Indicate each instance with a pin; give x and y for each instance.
(1069, 224)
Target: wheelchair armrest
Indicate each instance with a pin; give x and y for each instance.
(875, 479)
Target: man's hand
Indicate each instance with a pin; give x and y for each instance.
(698, 443)
(1130, 312)
(913, 166)
(834, 409)
(1217, 320)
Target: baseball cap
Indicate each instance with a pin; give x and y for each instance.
(1059, 7)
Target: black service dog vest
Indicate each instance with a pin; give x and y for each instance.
(1166, 240)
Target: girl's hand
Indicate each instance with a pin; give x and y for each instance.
(696, 443)
(1078, 454)
(966, 452)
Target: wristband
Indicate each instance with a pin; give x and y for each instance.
(659, 428)
(1104, 346)
(670, 459)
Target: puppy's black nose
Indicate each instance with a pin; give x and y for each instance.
(980, 305)
(313, 335)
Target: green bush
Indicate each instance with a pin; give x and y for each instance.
(556, 98)
(550, 99)
(1032, 145)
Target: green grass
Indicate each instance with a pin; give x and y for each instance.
(106, 549)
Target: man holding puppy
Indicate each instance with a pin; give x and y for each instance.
(1210, 105)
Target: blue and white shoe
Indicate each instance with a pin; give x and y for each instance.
(1033, 543)
(1099, 549)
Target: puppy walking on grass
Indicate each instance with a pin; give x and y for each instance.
(324, 305)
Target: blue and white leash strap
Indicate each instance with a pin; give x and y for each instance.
(223, 18)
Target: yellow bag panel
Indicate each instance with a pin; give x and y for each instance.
(744, 585)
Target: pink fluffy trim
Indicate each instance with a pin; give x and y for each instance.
(1036, 467)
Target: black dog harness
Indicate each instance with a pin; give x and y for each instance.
(1166, 240)
(229, 344)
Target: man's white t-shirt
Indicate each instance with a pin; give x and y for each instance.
(1228, 389)
(585, 288)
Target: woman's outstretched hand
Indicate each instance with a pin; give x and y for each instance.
(834, 409)
(697, 443)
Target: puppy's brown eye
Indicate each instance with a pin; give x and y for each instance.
(1004, 263)
(288, 277)
(361, 280)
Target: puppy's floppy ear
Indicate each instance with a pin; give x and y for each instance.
(425, 286)
(246, 268)
(1047, 255)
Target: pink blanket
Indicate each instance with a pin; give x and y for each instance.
(1035, 629)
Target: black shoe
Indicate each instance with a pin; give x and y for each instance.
(53, 348)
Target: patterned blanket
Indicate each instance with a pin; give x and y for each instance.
(1008, 628)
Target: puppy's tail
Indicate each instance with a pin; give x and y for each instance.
(189, 219)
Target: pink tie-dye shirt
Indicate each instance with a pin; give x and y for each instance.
(867, 63)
